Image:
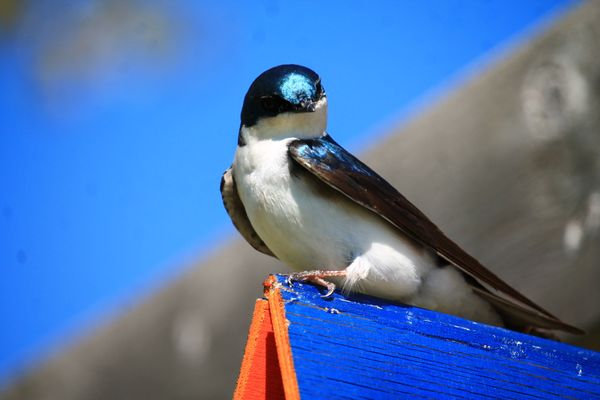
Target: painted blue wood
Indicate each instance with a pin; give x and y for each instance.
(364, 348)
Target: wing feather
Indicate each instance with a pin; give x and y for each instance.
(237, 213)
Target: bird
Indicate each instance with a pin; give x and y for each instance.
(295, 194)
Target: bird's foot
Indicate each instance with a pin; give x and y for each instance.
(317, 277)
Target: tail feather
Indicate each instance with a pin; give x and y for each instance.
(523, 319)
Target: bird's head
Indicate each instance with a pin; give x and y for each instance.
(284, 101)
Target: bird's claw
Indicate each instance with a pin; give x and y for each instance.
(330, 289)
(299, 277)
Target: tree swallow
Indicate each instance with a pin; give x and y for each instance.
(295, 194)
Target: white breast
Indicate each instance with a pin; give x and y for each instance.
(307, 230)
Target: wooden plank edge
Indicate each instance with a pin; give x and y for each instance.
(282, 339)
(261, 312)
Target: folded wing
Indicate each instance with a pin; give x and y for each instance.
(237, 213)
(335, 166)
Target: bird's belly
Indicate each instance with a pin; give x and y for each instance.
(310, 226)
(301, 229)
(333, 233)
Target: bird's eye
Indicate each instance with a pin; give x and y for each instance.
(269, 103)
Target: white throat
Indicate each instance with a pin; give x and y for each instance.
(305, 125)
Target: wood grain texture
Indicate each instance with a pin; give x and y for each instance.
(362, 347)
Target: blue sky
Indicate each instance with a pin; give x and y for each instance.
(111, 153)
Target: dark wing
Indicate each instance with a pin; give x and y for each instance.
(237, 213)
(333, 165)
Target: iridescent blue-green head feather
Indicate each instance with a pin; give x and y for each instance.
(283, 89)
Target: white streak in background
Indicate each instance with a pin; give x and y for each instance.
(191, 337)
(573, 235)
(577, 230)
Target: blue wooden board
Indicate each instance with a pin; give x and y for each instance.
(365, 348)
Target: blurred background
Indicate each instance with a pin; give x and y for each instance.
(122, 276)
